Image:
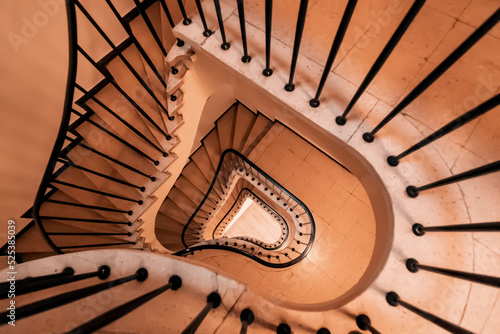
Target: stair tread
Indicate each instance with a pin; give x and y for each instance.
(259, 129)
(225, 127)
(212, 146)
(245, 120)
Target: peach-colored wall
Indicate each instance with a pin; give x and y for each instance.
(33, 70)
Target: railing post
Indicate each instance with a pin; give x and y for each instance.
(141, 50)
(436, 73)
(283, 329)
(186, 20)
(31, 284)
(246, 317)
(339, 37)
(386, 52)
(241, 16)
(394, 300)
(225, 45)
(213, 301)
(150, 26)
(269, 26)
(71, 296)
(301, 19)
(413, 191)
(413, 266)
(174, 283)
(206, 32)
(452, 126)
(420, 230)
(180, 42)
(364, 323)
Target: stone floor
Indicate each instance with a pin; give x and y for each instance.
(437, 30)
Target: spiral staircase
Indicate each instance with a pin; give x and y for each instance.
(169, 118)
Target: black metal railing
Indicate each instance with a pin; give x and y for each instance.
(122, 176)
(291, 250)
(245, 193)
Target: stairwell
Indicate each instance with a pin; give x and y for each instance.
(385, 270)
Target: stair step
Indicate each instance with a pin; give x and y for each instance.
(33, 241)
(171, 238)
(265, 141)
(57, 225)
(260, 127)
(73, 240)
(189, 190)
(245, 120)
(122, 130)
(147, 41)
(131, 97)
(212, 146)
(77, 177)
(174, 211)
(225, 127)
(93, 161)
(104, 184)
(196, 177)
(184, 202)
(134, 56)
(204, 164)
(176, 105)
(66, 210)
(114, 148)
(167, 223)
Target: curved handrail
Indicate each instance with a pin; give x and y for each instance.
(274, 182)
(254, 242)
(239, 251)
(63, 128)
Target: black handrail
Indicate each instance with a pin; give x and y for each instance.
(306, 250)
(249, 239)
(61, 134)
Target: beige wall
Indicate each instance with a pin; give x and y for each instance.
(33, 69)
